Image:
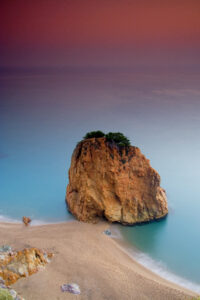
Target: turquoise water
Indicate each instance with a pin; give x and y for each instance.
(43, 113)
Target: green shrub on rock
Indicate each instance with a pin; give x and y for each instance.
(119, 138)
(113, 137)
(94, 134)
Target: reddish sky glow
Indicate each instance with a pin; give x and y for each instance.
(63, 32)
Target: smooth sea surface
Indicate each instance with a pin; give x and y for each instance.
(44, 113)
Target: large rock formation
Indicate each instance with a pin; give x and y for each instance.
(114, 182)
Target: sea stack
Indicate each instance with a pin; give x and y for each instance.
(107, 180)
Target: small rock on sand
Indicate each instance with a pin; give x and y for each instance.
(107, 232)
(26, 220)
(71, 288)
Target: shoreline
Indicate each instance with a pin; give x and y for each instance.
(99, 253)
(34, 222)
(135, 255)
(157, 268)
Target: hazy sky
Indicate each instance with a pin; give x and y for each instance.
(99, 32)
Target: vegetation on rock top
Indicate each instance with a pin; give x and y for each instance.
(94, 134)
(119, 138)
(113, 137)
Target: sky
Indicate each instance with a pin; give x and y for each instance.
(99, 32)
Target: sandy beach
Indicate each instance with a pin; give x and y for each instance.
(86, 256)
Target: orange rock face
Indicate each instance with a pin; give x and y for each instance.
(15, 265)
(116, 183)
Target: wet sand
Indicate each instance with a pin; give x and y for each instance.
(86, 256)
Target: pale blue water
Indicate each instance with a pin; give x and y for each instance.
(44, 113)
